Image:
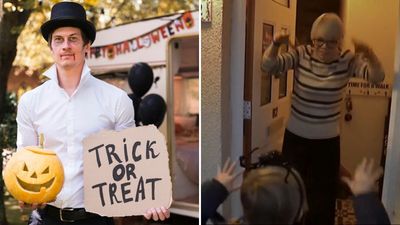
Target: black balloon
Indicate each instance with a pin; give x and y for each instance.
(140, 78)
(152, 110)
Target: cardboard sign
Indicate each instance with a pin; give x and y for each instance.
(126, 172)
(362, 87)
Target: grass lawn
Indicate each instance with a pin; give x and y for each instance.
(14, 214)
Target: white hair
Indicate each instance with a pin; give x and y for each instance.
(328, 26)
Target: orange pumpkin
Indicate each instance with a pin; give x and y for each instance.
(34, 175)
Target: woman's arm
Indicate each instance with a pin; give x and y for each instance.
(274, 63)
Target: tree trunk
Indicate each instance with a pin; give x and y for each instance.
(10, 28)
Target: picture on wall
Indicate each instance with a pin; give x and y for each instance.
(266, 80)
(268, 35)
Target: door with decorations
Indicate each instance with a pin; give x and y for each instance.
(266, 98)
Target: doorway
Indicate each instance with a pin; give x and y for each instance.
(267, 99)
(183, 123)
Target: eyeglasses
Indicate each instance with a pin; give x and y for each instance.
(328, 43)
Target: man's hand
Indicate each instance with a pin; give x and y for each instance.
(365, 177)
(33, 206)
(226, 175)
(157, 214)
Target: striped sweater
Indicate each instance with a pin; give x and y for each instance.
(318, 89)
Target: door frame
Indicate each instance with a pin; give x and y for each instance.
(248, 79)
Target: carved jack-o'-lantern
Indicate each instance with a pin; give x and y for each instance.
(34, 175)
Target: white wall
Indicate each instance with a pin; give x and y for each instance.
(391, 194)
(391, 182)
(237, 57)
(222, 83)
(215, 88)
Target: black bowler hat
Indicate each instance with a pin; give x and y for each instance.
(68, 14)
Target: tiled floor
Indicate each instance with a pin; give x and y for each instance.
(344, 212)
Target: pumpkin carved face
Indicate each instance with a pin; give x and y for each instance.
(34, 175)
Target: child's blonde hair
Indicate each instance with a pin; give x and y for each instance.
(273, 195)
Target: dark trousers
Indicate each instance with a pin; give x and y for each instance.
(39, 217)
(318, 162)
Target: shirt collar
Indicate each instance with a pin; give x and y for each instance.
(52, 73)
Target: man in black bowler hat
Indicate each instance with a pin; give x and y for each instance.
(68, 107)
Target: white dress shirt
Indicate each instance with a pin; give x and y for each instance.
(66, 120)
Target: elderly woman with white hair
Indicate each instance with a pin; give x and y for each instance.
(312, 136)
